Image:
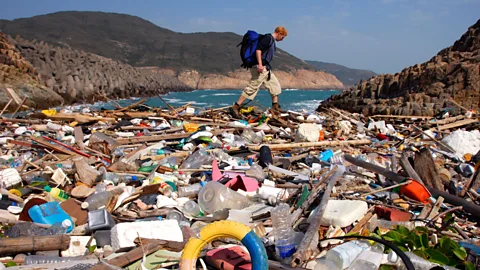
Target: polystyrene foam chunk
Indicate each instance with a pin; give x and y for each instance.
(123, 234)
(342, 213)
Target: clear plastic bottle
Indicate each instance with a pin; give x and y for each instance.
(97, 200)
(192, 208)
(214, 196)
(196, 160)
(325, 264)
(369, 259)
(284, 236)
(344, 254)
(190, 190)
(165, 189)
(418, 262)
(43, 259)
(127, 179)
(60, 227)
(57, 193)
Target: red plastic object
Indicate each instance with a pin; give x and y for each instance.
(382, 137)
(415, 190)
(231, 258)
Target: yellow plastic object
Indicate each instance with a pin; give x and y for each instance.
(190, 127)
(16, 192)
(220, 229)
(49, 112)
(246, 110)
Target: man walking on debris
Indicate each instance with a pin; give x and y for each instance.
(261, 72)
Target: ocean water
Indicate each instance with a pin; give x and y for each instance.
(290, 99)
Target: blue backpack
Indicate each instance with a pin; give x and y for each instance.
(249, 46)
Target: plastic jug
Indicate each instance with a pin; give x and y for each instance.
(49, 213)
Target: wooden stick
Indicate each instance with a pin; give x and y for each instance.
(169, 106)
(19, 106)
(303, 252)
(401, 116)
(6, 106)
(388, 188)
(287, 146)
(458, 124)
(33, 243)
(433, 138)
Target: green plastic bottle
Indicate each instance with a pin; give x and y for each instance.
(57, 193)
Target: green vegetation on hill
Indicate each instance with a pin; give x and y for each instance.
(348, 76)
(139, 42)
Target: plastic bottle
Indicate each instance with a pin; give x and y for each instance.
(57, 193)
(196, 160)
(387, 224)
(343, 255)
(265, 157)
(325, 264)
(97, 200)
(190, 190)
(193, 209)
(60, 227)
(165, 189)
(214, 196)
(369, 259)
(128, 179)
(99, 137)
(175, 215)
(418, 262)
(43, 259)
(284, 236)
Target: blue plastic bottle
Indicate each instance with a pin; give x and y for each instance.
(49, 213)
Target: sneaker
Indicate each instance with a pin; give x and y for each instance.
(235, 111)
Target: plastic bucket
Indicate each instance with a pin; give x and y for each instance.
(416, 191)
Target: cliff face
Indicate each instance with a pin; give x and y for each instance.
(18, 74)
(302, 79)
(423, 89)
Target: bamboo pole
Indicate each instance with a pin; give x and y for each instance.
(34, 243)
(286, 146)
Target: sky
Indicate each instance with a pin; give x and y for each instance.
(384, 36)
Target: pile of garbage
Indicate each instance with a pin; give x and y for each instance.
(152, 188)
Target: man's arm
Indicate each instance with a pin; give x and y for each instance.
(258, 54)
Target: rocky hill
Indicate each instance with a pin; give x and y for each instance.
(62, 75)
(348, 76)
(18, 74)
(422, 89)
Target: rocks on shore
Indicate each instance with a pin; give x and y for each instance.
(422, 89)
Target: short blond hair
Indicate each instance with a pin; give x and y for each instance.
(281, 30)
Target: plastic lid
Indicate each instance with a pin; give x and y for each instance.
(66, 223)
(47, 188)
(84, 205)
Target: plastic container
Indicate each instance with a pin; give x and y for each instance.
(103, 237)
(369, 259)
(284, 235)
(196, 160)
(97, 200)
(343, 255)
(415, 190)
(57, 193)
(326, 155)
(49, 213)
(215, 196)
(100, 220)
(42, 259)
(190, 190)
(193, 209)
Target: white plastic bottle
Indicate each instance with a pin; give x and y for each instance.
(97, 200)
(418, 262)
(284, 235)
(344, 254)
(190, 190)
(369, 259)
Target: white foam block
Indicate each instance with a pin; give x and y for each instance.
(342, 213)
(77, 247)
(123, 234)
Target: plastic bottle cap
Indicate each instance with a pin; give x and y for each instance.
(47, 188)
(66, 223)
(134, 178)
(84, 205)
(202, 183)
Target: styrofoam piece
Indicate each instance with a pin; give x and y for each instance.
(77, 246)
(10, 177)
(342, 213)
(123, 234)
(307, 133)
